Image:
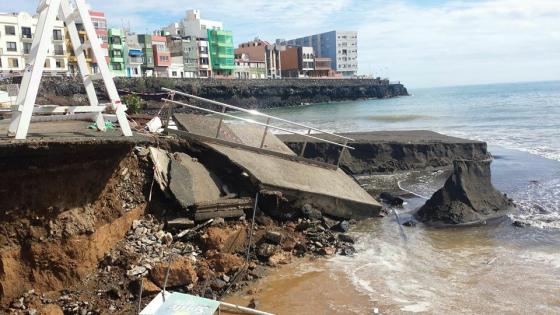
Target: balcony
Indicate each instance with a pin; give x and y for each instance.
(26, 37)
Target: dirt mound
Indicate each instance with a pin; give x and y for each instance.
(468, 197)
(69, 207)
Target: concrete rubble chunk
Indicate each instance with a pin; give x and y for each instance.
(191, 183)
(274, 237)
(181, 273)
(468, 197)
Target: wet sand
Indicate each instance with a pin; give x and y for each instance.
(305, 287)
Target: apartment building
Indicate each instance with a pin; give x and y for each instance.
(145, 42)
(192, 25)
(162, 56)
(340, 46)
(16, 37)
(117, 48)
(134, 56)
(184, 50)
(220, 47)
(297, 61)
(214, 45)
(260, 50)
(247, 68)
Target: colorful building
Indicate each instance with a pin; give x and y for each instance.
(117, 48)
(297, 61)
(220, 46)
(260, 50)
(340, 46)
(145, 42)
(134, 56)
(247, 68)
(162, 56)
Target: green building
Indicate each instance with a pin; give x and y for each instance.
(117, 52)
(222, 56)
(145, 42)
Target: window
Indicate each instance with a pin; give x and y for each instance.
(117, 53)
(57, 34)
(59, 63)
(26, 32)
(26, 48)
(13, 62)
(117, 66)
(58, 50)
(10, 30)
(174, 73)
(116, 40)
(47, 63)
(11, 46)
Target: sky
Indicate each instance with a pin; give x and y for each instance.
(421, 43)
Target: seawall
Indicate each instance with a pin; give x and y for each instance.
(390, 151)
(244, 93)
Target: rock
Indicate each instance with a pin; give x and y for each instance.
(218, 284)
(50, 309)
(346, 238)
(181, 273)
(254, 304)
(218, 221)
(229, 239)
(410, 223)
(301, 249)
(148, 287)
(329, 223)
(280, 258)
(266, 250)
(225, 278)
(342, 226)
(311, 213)
(224, 262)
(180, 224)
(390, 199)
(327, 251)
(263, 219)
(347, 251)
(137, 271)
(520, 224)
(114, 293)
(468, 197)
(18, 304)
(273, 237)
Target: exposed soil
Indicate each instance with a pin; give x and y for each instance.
(83, 228)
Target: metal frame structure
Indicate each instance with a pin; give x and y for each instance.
(267, 125)
(71, 12)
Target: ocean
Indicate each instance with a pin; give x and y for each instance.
(484, 270)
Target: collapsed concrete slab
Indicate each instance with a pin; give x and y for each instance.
(468, 197)
(277, 169)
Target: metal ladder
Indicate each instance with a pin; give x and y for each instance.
(71, 12)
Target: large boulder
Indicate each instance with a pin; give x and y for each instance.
(468, 197)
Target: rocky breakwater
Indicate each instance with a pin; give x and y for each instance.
(468, 197)
(254, 94)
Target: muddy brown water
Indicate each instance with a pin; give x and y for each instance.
(443, 271)
(493, 269)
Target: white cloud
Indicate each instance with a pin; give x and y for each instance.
(455, 42)
(463, 42)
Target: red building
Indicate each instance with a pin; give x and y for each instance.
(162, 56)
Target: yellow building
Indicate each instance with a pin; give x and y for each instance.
(73, 68)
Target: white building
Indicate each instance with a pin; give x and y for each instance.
(193, 25)
(177, 68)
(340, 46)
(16, 37)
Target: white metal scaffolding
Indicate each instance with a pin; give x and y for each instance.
(71, 12)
